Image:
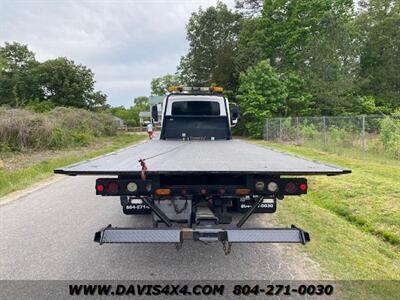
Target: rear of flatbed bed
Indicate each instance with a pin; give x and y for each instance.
(206, 170)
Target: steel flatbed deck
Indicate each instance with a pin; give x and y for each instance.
(200, 157)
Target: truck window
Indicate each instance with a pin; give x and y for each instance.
(195, 108)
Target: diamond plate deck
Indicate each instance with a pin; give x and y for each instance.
(110, 235)
(129, 235)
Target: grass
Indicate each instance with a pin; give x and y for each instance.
(22, 178)
(354, 152)
(354, 219)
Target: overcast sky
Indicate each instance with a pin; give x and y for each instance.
(125, 43)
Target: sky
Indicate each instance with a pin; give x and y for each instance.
(125, 43)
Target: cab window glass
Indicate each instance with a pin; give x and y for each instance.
(195, 108)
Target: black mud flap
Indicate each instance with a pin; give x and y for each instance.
(112, 235)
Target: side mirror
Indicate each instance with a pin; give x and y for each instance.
(154, 113)
(234, 114)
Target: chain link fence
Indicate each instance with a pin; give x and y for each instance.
(356, 135)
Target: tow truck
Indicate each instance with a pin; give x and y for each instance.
(195, 177)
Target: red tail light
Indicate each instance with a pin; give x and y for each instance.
(113, 187)
(99, 187)
(290, 187)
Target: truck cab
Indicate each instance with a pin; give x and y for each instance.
(188, 115)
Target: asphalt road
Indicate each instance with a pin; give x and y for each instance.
(48, 234)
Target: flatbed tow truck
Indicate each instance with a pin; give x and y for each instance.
(195, 176)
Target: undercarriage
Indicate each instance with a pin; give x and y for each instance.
(199, 218)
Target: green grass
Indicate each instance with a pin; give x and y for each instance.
(353, 219)
(15, 180)
(353, 152)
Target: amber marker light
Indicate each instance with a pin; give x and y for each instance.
(163, 192)
(242, 192)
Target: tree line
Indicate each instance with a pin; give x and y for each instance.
(280, 58)
(55, 82)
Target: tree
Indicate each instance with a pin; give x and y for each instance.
(17, 74)
(250, 45)
(331, 63)
(67, 84)
(283, 31)
(25, 81)
(17, 56)
(159, 85)
(263, 93)
(380, 55)
(249, 8)
(212, 35)
(299, 102)
(316, 40)
(290, 25)
(96, 100)
(141, 100)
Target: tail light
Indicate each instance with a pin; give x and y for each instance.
(100, 188)
(303, 187)
(113, 187)
(290, 187)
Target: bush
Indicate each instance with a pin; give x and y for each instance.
(81, 138)
(390, 136)
(308, 131)
(59, 128)
(40, 106)
(58, 138)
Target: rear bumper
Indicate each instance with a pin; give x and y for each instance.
(113, 235)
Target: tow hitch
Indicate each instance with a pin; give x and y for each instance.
(113, 235)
